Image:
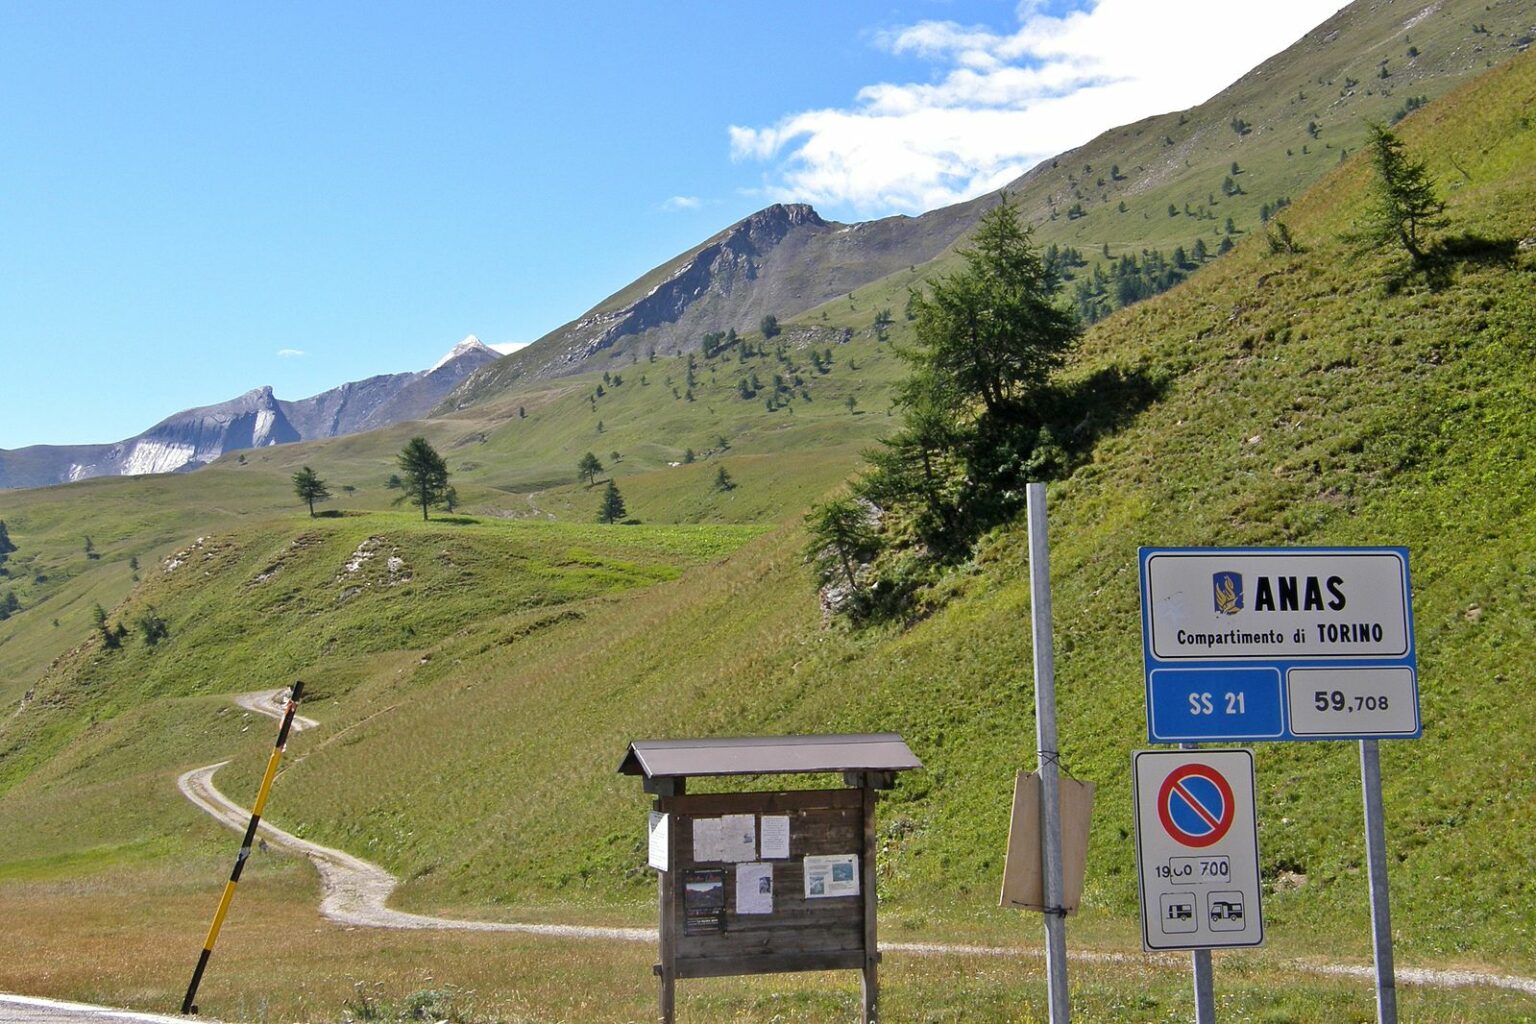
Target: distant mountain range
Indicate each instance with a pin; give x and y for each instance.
(1192, 180)
(256, 419)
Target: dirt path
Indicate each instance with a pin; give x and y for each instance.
(355, 893)
(272, 703)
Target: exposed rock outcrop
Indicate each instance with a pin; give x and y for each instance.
(780, 260)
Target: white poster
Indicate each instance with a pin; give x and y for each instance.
(706, 840)
(754, 889)
(661, 829)
(738, 838)
(836, 875)
(775, 837)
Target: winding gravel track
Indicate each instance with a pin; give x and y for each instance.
(355, 893)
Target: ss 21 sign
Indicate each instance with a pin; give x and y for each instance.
(1253, 644)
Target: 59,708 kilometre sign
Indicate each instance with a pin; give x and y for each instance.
(1252, 644)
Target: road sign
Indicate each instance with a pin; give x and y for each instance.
(1254, 644)
(1195, 805)
(1197, 849)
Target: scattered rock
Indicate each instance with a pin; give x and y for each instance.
(360, 557)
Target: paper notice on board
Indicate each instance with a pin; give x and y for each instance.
(706, 840)
(836, 875)
(738, 838)
(703, 902)
(774, 837)
(661, 828)
(754, 889)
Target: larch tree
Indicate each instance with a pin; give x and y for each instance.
(612, 508)
(1404, 203)
(423, 474)
(310, 488)
(588, 467)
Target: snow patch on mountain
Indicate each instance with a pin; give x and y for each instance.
(463, 348)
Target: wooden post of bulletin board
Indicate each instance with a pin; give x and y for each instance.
(871, 981)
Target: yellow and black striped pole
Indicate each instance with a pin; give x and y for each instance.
(187, 1006)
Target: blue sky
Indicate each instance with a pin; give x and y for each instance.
(197, 199)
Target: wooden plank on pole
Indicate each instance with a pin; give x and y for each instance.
(1023, 867)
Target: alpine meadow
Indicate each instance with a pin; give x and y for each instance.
(1301, 314)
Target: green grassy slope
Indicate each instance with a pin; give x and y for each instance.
(1283, 125)
(503, 465)
(471, 733)
(341, 601)
(1306, 406)
(1305, 110)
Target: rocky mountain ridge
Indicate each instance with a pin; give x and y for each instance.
(257, 419)
(780, 260)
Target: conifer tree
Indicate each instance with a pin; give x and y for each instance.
(589, 467)
(991, 333)
(1404, 203)
(424, 474)
(612, 508)
(840, 536)
(310, 488)
(6, 547)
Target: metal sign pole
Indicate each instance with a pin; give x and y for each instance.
(1200, 962)
(1376, 867)
(1045, 736)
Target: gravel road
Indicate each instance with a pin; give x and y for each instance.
(28, 1010)
(355, 893)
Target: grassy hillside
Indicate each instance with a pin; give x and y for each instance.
(1176, 179)
(1209, 176)
(473, 716)
(511, 459)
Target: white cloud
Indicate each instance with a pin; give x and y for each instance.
(678, 204)
(996, 103)
(291, 353)
(506, 347)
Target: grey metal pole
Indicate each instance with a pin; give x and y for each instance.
(1376, 866)
(1200, 962)
(1045, 738)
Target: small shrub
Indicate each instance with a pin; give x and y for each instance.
(153, 628)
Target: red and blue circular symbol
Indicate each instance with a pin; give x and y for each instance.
(1195, 805)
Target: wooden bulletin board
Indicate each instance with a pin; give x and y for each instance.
(706, 931)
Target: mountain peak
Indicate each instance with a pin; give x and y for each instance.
(789, 214)
(469, 345)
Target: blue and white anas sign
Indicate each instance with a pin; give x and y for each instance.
(1245, 644)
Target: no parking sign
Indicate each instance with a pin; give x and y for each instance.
(1197, 849)
(1195, 805)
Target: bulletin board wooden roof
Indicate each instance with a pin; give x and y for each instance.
(769, 755)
